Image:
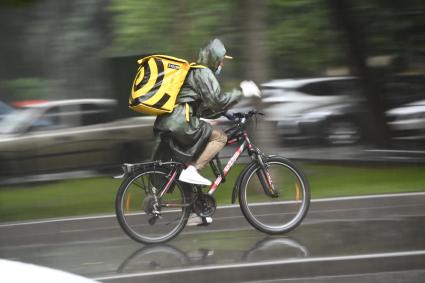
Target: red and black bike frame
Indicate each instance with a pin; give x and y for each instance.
(256, 156)
(221, 174)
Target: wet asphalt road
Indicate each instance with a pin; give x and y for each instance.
(378, 239)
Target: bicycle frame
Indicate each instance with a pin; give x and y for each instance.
(246, 143)
(241, 148)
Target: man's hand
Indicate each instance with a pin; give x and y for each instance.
(249, 89)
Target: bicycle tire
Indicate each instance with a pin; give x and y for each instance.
(145, 234)
(259, 208)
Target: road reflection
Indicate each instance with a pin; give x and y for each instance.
(273, 248)
(166, 256)
(154, 257)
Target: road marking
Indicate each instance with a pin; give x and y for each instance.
(396, 151)
(368, 197)
(343, 198)
(92, 263)
(394, 275)
(58, 220)
(219, 207)
(265, 263)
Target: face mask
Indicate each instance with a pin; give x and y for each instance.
(218, 71)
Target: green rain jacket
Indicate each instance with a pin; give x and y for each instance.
(183, 140)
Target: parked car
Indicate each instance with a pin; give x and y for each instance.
(4, 110)
(407, 122)
(329, 109)
(67, 135)
(16, 271)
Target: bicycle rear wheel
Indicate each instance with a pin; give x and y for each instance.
(280, 211)
(144, 216)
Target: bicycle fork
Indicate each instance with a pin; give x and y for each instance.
(263, 174)
(266, 180)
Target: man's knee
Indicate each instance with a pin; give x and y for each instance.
(219, 136)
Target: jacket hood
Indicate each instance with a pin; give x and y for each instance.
(211, 54)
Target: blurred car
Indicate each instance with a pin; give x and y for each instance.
(15, 271)
(69, 135)
(329, 109)
(407, 122)
(4, 110)
(27, 103)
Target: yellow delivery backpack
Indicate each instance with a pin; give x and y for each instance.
(158, 82)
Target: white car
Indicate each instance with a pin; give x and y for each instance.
(325, 108)
(407, 122)
(4, 110)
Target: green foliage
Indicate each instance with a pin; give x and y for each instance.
(301, 37)
(136, 27)
(24, 88)
(64, 41)
(392, 27)
(18, 3)
(165, 26)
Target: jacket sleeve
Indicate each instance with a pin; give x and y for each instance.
(213, 100)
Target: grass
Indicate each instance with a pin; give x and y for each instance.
(96, 195)
(337, 180)
(74, 197)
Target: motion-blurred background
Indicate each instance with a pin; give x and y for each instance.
(341, 80)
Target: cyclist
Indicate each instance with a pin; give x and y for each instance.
(183, 135)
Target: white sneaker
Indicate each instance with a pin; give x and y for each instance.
(195, 220)
(191, 175)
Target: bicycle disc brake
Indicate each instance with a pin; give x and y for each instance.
(204, 205)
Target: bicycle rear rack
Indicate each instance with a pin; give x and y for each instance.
(130, 168)
(127, 168)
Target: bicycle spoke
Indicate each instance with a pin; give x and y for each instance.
(142, 186)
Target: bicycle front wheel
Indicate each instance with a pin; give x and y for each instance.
(146, 217)
(280, 209)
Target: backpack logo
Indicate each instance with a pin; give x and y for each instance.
(173, 66)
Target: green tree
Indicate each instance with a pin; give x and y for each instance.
(301, 38)
(142, 27)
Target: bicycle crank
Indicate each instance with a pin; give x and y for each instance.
(204, 205)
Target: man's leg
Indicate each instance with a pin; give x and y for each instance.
(215, 144)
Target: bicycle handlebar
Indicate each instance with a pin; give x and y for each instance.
(240, 115)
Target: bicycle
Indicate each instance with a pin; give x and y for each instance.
(153, 206)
